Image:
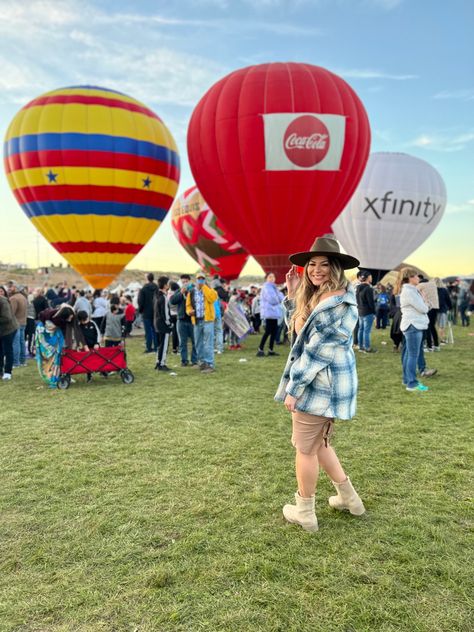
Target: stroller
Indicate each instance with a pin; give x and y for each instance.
(102, 360)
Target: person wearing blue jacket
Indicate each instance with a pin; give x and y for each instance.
(319, 381)
(271, 300)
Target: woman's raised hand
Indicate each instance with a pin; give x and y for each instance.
(292, 281)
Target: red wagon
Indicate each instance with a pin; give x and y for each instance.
(102, 360)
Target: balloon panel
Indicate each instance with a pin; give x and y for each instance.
(96, 171)
(277, 150)
(397, 205)
(204, 237)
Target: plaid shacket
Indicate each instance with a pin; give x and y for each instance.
(321, 370)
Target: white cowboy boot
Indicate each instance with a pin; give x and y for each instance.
(302, 513)
(347, 498)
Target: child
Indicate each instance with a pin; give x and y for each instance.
(112, 326)
(90, 333)
(130, 313)
(89, 330)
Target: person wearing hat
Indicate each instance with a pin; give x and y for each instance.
(319, 381)
(200, 306)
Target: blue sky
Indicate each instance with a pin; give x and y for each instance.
(410, 61)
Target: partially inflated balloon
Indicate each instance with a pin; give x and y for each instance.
(204, 237)
(277, 151)
(397, 205)
(96, 172)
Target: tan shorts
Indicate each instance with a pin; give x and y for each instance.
(310, 432)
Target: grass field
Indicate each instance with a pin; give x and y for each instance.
(157, 506)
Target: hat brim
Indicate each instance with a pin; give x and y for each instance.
(301, 258)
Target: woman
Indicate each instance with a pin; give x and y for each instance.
(55, 330)
(319, 382)
(271, 300)
(414, 323)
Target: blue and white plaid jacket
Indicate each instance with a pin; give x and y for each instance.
(321, 370)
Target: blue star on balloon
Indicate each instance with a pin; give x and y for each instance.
(146, 182)
(52, 176)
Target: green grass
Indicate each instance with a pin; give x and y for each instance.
(157, 506)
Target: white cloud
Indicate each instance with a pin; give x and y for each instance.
(364, 73)
(444, 142)
(462, 95)
(464, 207)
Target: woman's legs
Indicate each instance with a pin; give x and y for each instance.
(307, 469)
(271, 325)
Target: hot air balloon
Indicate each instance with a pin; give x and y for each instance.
(204, 237)
(277, 151)
(96, 172)
(397, 205)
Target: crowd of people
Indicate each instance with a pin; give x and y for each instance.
(199, 317)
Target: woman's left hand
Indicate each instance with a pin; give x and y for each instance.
(290, 403)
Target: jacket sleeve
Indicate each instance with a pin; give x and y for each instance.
(210, 295)
(189, 305)
(141, 301)
(318, 352)
(177, 298)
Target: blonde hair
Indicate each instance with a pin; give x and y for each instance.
(438, 282)
(308, 295)
(403, 277)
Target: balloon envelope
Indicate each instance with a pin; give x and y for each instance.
(96, 172)
(277, 151)
(397, 205)
(204, 237)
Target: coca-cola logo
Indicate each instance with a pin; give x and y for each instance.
(306, 141)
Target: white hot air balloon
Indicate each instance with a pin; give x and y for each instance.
(399, 202)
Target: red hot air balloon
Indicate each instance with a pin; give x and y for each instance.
(204, 237)
(277, 151)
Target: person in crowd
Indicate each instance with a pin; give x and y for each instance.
(114, 299)
(100, 307)
(90, 333)
(50, 294)
(464, 300)
(30, 326)
(453, 289)
(162, 322)
(19, 305)
(64, 294)
(382, 306)
(57, 328)
(184, 325)
(319, 381)
(130, 314)
(112, 326)
(255, 308)
(200, 306)
(271, 300)
(396, 315)
(82, 304)
(414, 322)
(429, 292)
(366, 307)
(471, 297)
(8, 329)
(174, 287)
(146, 297)
(445, 306)
(218, 329)
(40, 302)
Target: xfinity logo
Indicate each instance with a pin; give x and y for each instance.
(388, 206)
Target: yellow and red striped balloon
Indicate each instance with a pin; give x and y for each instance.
(96, 172)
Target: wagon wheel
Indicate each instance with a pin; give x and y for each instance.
(127, 376)
(64, 382)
